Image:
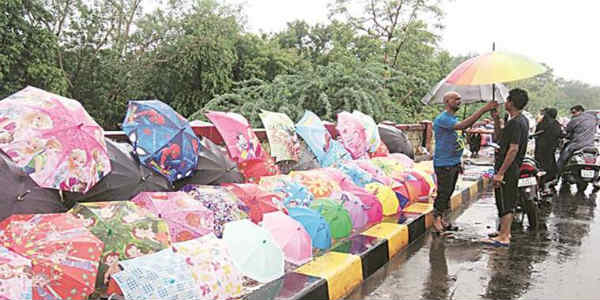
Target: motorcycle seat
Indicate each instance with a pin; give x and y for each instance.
(589, 150)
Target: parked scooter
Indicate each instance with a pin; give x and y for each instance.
(530, 187)
(582, 168)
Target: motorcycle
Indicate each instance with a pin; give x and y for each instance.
(582, 168)
(530, 187)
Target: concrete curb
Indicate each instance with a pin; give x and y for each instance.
(338, 272)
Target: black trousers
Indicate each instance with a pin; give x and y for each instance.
(446, 179)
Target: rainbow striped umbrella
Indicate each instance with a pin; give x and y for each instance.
(494, 67)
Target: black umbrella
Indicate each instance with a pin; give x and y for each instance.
(214, 167)
(396, 140)
(127, 178)
(307, 160)
(21, 195)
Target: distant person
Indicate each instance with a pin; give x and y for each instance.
(447, 157)
(547, 135)
(513, 145)
(580, 133)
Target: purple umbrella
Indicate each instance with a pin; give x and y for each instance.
(355, 207)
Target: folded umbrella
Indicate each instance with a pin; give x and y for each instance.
(316, 226)
(336, 215)
(257, 200)
(396, 140)
(291, 237)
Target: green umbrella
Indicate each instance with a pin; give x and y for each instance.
(336, 215)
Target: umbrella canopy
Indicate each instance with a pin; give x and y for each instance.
(307, 159)
(356, 209)
(317, 182)
(381, 151)
(161, 275)
(316, 226)
(253, 170)
(282, 135)
(293, 194)
(494, 67)
(162, 138)
(358, 176)
(242, 143)
(21, 195)
(186, 217)
(391, 167)
(403, 159)
(16, 276)
(353, 134)
(212, 267)
(253, 251)
(375, 171)
(291, 237)
(338, 218)
(54, 140)
(371, 130)
(396, 140)
(127, 231)
(403, 195)
(214, 167)
(224, 204)
(327, 150)
(63, 253)
(127, 178)
(257, 200)
(468, 93)
(386, 196)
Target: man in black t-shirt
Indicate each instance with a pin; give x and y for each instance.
(513, 145)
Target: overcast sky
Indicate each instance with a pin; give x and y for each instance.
(563, 34)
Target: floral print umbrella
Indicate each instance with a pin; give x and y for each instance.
(15, 276)
(317, 182)
(64, 254)
(281, 133)
(353, 135)
(242, 143)
(187, 218)
(53, 139)
(127, 231)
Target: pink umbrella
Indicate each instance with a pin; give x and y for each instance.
(375, 171)
(186, 217)
(241, 141)
(355, 207)
(53, 139)
(403, 159)
(290, 235)
(353, 135)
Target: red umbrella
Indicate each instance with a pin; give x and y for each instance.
(253, 170)
(257, 200)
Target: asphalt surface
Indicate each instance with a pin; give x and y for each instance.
(560, 261)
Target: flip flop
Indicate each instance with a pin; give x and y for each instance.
(492, 234)
(494, 243)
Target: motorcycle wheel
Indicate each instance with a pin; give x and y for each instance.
(531, 210)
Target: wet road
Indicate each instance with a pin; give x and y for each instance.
(561, 261)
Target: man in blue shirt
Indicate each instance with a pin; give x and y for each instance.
(448, 151)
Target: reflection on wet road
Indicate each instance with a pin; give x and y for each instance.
(561, 261)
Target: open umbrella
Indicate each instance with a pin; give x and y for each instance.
(317, 182)
(371, 130)
(257, 200)
(316, 226)
(162, 138)
(282, 135)
(15, 282)
(386, 196)
(396, 140)
(377, 173)
(338, 218)
(359, 176)
(381, 151)
(468, 93)
(214, 167)
(293, 193)
(127, 178)
(21, 195)
(307, 159)
(291, 237)
(253, 170)
(355, 208)
(242, 143)
(353, 134)
(54, 140)
(253, 251)
(327, 150)
(64, 254)
(212, 267)
(127, 231)
(403, 159)
(186, 217)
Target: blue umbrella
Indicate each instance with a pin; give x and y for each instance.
(162, 139)
(296, 195)
(327, 150)
(316, 226)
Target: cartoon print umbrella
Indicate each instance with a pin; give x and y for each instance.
(371, 130)
(327, 150)
(161, 275)
(64, 254)
(353, 134)
(211, 266)
(355, 208)
(291, 237)
(15, 276)
(127, 231)
(186, 217)
(53, 139)
(359, 176)
(21, 195)
(257, 200)
(224, 204)
(316, 226)
(214, 167)
(162, 138)
(386, 196)
(253, 250)
(338, 218)
(396, 140)
(293, 193)
(127, 178)
(317, 182)
(281, 133)
(242, 143)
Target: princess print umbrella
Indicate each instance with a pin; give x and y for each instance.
(242, 143)
(353, 134)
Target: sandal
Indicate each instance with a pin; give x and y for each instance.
(495, 243)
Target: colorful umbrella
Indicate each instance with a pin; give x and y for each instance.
(381, 151)
(468, 93)
(386, 196)
(389, 166)
(223, 203)
(161, 275)
(126, 230)
(257, 200)
(396, 140)
(15, 276)
(212, 267)
(316, 226)
(253, 170)
(293, 194)
(375, 171)
(282, 135)
(291, 237)
(371, 130)
(162, 138)
(327, 150)
(355, 208)
(242, 143)
(253, 251)
(412, 187)
(403, 195)
(353, 134)
(494, 67)
(403, 159)
(317, 182)
(54, 140)
(186, 217)
(307, 159)
(64, 254)
(21, 195)
(338, 218)
(127, 178)
(359, 176)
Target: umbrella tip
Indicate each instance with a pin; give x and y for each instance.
(264, 241)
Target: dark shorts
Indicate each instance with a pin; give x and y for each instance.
(506, 196)
(446, 181)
